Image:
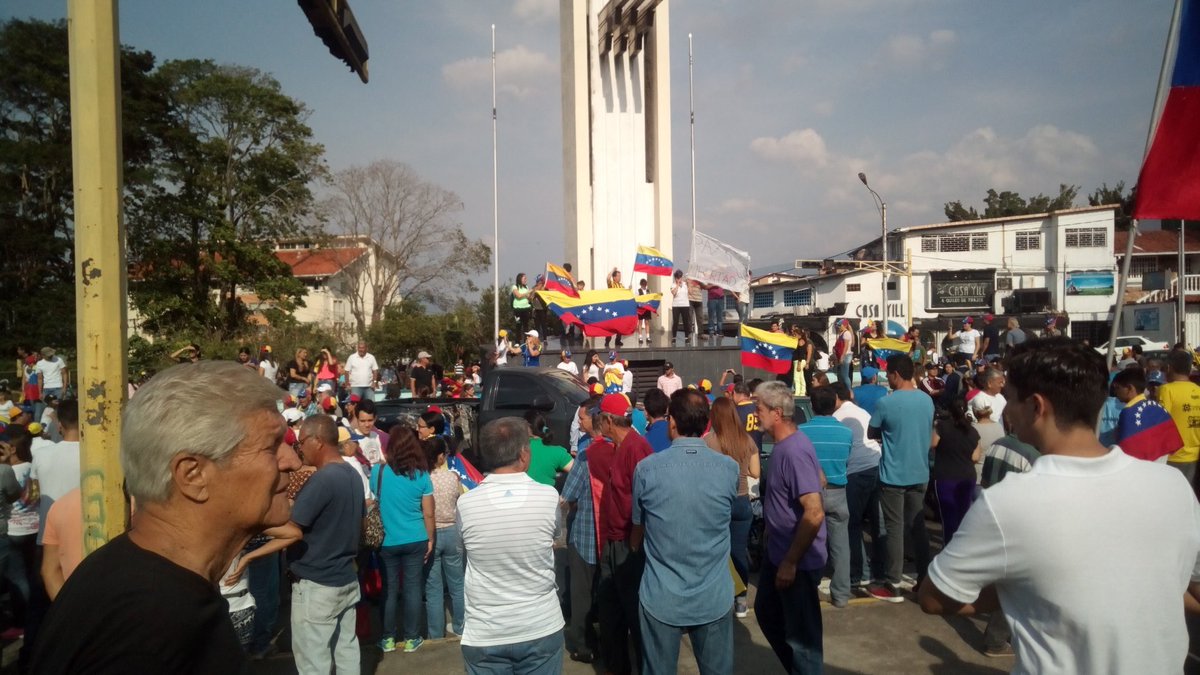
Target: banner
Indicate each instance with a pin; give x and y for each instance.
(718, 264)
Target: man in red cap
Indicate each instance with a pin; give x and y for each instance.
(620, 566)
(992, 344)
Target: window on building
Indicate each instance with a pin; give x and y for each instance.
(730, 302)
(1086, 237)
(954, 243)
(891, 285)
(1140, 266)
(764, 299)
(850, 288)
(799, 297)
(1029, 241)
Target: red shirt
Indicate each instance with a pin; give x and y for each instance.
(616, 504)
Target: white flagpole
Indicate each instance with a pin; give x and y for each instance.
(692, 125)
(495, 204)
(1163, 85)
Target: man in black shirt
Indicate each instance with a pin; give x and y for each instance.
(422, 376)
(992, 344)
(203, 454)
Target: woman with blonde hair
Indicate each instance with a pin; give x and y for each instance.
(729, 437)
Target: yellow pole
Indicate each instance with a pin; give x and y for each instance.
(100, 274)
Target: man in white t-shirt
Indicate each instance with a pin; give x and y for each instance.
(371, 441)
(862, 489)
(513, 618)
(52, 371)
(362, 371)
(565, 363)
(56, 466)
(1093, 556)
(670, 382)
(991, 396)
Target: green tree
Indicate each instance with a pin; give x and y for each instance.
(236, 171)
(1008, 203)
(37, 278)
(1115, 195)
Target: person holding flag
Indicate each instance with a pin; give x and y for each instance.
(647, 304)
(1144, 429)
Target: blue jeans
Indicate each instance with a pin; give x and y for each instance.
(264, 586)
(712, 644)
(446, 564)
(790, 619)
(844, 370)
(837, 513)
(862, 496)
(542, 656)
(364, 393)
(716, 312)
(407, 561)
(739, 538)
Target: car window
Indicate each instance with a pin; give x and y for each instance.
(517, 392)
(567, 385)
(1125, 342)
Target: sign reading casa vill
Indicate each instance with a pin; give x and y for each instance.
(962, 289)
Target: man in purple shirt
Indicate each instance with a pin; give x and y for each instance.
(787, 606)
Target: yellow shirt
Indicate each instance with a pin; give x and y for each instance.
(1182, 400)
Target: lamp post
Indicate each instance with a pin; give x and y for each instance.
(882, 206)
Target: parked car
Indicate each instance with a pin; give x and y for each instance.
(1131, 340)
(505, 392)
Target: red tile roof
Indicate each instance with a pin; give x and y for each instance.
(319, 262)
(1156, 242)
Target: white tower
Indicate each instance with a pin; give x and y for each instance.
(616, 137)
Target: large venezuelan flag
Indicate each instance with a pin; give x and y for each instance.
(771, 352)
(652, 261)
(1169, 185)
(560, 280)
(600, 313)
(1145, 430)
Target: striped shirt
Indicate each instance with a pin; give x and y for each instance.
(508, 525)
(578, 490)
(1007, 455)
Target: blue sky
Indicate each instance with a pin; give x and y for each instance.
(935, 100)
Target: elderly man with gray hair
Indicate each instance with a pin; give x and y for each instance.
(513, 620)
(205, 461)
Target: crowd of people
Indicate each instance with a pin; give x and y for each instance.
(531, 549)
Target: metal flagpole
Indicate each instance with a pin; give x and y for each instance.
(692, 126)
(495, 205)
(1163, 77)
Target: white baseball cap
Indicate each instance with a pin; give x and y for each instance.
(532, 333)
(423, 355)
(325, 386)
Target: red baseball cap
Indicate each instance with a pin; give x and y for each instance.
(354, 398)
(615, 404)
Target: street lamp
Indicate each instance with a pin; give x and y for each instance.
(882, 207)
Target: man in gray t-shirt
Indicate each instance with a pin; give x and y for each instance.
(1014, 336)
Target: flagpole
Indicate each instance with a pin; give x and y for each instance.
(1163, 82)
(495, 205)
(692, 127)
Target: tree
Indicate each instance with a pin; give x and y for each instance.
(424, 252)
(1007, 203)
(235, 177)
(37, 278)
(1115, 195)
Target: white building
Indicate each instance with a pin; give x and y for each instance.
(1032, 267)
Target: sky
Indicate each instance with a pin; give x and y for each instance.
(935, 100)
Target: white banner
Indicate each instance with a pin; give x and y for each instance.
(719, 264)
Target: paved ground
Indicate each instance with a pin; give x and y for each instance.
(867, 637)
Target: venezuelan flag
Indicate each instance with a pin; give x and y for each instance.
(885, 348)
(1168, 187)
(1145, 430)
(771, 352)
(652, 261)
(600, 313)
(649, 301)
(560, 280)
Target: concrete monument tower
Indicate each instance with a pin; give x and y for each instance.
(616, 136)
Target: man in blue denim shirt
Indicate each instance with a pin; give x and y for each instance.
(686, 586)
